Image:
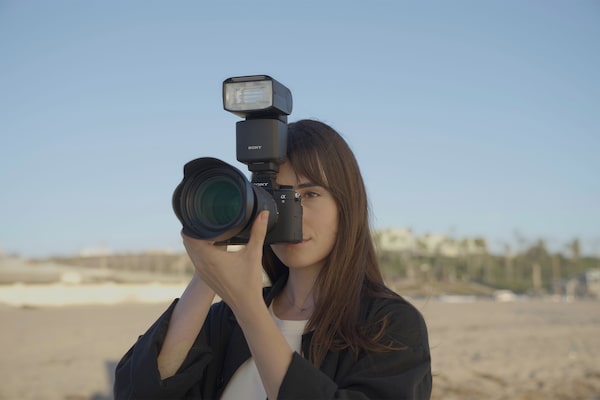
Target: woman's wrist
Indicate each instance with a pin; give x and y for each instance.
(198, 283)
(247, 307)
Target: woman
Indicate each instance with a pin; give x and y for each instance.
(326, 328)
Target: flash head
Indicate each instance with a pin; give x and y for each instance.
(256, 96)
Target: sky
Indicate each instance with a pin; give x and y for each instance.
(468, 118)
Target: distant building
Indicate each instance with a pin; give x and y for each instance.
(396, 240)
(592, 279)
(403, 240)
(586, 284)
(95, 252)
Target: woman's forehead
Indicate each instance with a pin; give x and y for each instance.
(300, 170)
(287, 175)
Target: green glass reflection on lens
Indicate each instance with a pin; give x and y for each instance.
(218, 201)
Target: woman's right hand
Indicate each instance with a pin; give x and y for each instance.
(236, 277)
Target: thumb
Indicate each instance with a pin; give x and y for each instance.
(258, 232)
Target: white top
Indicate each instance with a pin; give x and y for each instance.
(246, 383)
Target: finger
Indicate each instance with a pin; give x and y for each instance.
(258, 232)
(197, 242)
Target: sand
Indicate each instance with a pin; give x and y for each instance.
(481, 350)
(518, 350)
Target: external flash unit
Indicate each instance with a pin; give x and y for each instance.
(215, 201)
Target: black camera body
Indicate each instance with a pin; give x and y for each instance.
(215, 201)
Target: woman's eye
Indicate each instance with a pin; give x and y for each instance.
(309, 195)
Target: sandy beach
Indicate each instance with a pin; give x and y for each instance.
(528, 349)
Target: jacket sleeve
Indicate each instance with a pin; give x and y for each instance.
(404, 373)
(137, 375)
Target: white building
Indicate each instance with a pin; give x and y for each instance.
(403, 240)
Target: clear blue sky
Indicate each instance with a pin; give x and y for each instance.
(469, 118)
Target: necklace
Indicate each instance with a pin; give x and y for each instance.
(301, 308)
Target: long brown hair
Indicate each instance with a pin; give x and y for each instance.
(318, 152)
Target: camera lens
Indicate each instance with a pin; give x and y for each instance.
(216, 202)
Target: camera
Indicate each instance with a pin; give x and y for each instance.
(215, 201)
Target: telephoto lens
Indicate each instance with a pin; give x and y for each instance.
(215, 201)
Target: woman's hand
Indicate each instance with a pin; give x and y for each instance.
(236, 277)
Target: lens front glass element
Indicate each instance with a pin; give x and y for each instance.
(217, 201)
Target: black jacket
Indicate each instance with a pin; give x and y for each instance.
(221, 348)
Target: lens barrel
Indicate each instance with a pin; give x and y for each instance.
(215, 201)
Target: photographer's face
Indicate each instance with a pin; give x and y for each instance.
(319, 223)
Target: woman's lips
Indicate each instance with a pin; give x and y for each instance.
(297, 243)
